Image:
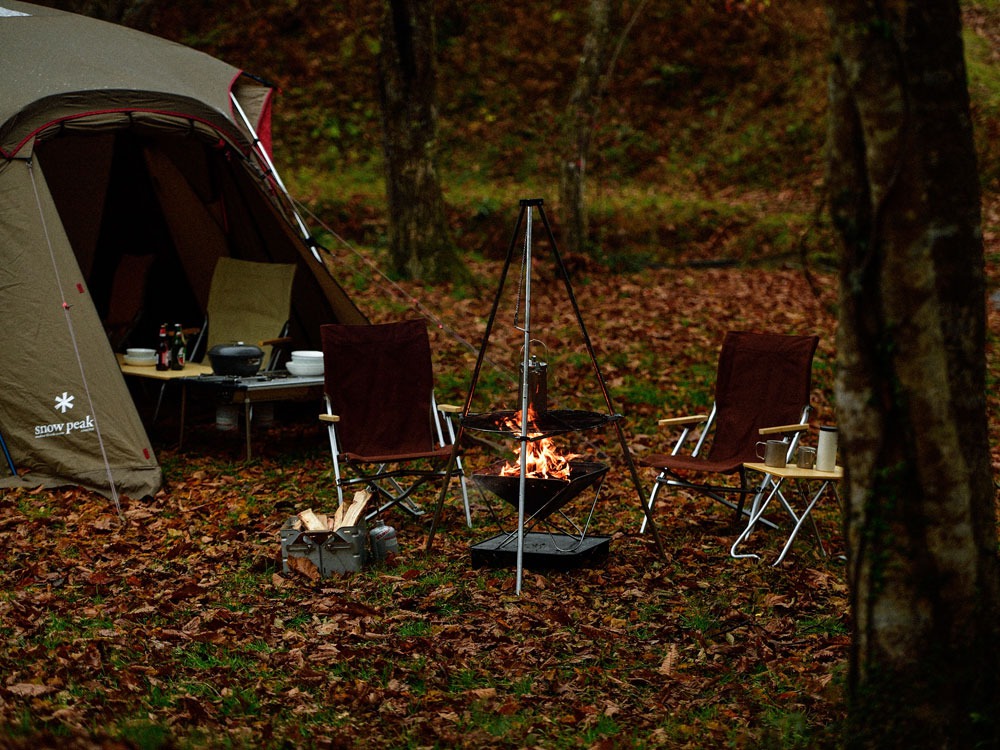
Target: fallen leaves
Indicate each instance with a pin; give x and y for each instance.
(181, 614)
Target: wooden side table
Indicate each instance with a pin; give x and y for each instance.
(770, 487)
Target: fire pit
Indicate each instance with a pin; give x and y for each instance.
(539, 494)
(543, 495)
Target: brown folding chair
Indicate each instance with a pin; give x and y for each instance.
(384, 425)
(763, 382)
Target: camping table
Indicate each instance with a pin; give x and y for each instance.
(254, 389)
(771, 485)
(149, 372)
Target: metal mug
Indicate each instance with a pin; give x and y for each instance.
(774, 453)
(807, 458)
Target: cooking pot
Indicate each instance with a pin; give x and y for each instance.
(236, 359)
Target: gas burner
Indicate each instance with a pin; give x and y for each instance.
(237, 380)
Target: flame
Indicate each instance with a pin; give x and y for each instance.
(543, 460)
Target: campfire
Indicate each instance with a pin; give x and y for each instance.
(543, 460)
(552, 478)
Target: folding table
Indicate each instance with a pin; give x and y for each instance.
(770, 487)
(265, 387)
(149, 372)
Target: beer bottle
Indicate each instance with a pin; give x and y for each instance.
(178, 351)
(163, 350)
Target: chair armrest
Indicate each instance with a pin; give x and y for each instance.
(783, 428)
(449, 409)
(329, 418)
(690, 419)
(276, 342)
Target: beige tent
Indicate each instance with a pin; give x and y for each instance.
(115, 144)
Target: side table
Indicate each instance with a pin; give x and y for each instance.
(770, 487)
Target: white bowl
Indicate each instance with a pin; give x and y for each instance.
(140, 361)
(141, 353)
(305, 369)
(307, 355)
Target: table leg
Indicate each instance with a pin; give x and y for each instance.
(798, 525)
(184, 393)
(756, 511)
(246, 423)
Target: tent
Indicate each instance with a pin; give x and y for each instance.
(115, 144)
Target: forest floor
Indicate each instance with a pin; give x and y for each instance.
(172, 624)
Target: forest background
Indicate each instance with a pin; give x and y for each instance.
(705, 190)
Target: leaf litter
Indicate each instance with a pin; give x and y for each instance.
(175, 626)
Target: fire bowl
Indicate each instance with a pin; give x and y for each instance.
(543, 496)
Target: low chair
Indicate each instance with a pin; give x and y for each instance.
(762, 390)
(250, 302)
(385, 428)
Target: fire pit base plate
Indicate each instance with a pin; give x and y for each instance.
(541, 552)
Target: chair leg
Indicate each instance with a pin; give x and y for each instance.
(742, 501)
(651, 501)
(465, 491)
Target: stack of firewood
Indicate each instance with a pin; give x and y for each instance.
(348, 514)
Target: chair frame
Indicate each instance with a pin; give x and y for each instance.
(383, 475)
(666, 478)
(670, 477)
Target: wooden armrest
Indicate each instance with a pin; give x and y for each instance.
(449, 409)
(783, 428)
(275, 342)
(690, 419)
(329, 418)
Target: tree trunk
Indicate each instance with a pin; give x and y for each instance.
(420, 245)
(582, 111)
(920, 508)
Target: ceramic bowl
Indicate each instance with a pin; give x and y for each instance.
(305, 369)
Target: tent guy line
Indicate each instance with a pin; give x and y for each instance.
(381, 278)
(112, 489)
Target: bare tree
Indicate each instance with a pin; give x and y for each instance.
(601, 47)
(420, 243)
(911, 403)
(584, 103)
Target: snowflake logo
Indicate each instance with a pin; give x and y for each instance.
(64, 402)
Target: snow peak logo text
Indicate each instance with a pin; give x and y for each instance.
(64, 428)
(63, 403)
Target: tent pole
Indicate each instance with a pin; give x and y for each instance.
(6, 454)
(262, 152)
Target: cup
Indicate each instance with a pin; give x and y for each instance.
(826, 449)
(774, 453)
(807, 457)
